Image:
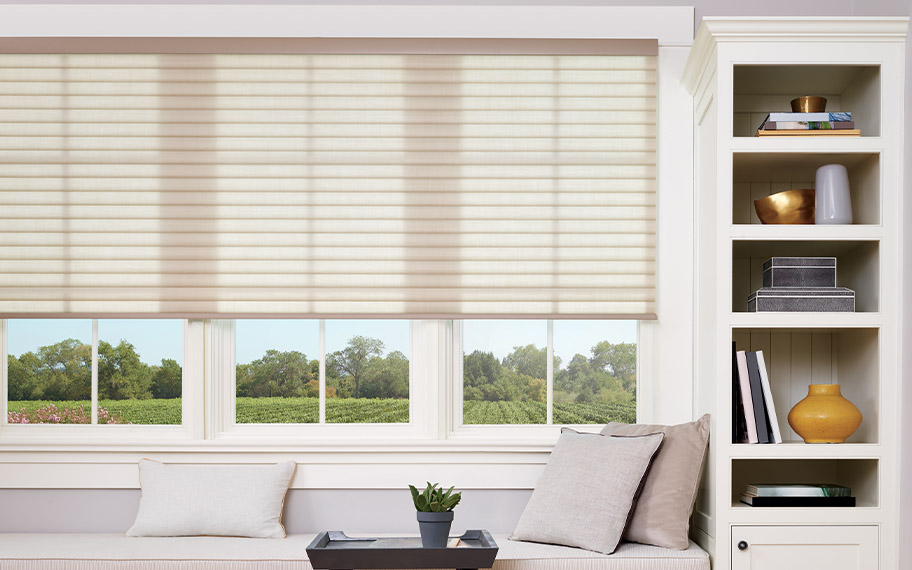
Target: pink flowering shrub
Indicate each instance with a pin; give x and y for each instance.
(51, 414)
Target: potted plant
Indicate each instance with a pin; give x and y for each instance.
(435, 513)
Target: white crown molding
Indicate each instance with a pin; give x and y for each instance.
(715, 30)
(670, 25)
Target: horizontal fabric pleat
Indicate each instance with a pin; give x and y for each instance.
(328, 184)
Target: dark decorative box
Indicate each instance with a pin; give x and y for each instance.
(798, 299)
(806, 272)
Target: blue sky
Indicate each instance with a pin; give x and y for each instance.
(156, 339)
(570, 337)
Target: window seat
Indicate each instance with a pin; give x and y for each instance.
(115, 552)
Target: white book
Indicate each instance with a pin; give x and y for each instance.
(768, 398)
(746, 400)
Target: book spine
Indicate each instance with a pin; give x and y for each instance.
(798, 501)
(739, 424)
(746, 400)
(807, 125)
(760, 415)
(768, 398)
(798, 491)
(832, 117)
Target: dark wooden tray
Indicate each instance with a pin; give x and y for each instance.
(332, 550)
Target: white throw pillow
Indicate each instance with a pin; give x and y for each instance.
(216, 500)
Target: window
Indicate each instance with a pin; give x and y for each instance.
(281, 365)
(83, 371)
(548, 372)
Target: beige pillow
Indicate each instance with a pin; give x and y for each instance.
(587, 491)
(662, 514)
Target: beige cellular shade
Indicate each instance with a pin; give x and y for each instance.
(327, 184)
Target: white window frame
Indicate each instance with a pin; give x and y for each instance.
(666, 345)
(191, 392)
(548, 431)
(222, 411)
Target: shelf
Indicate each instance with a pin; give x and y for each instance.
(859, 474)
(745, 514)
(793, 232)
(857, 266)
(809, 321)
(759, 173)
(800, 450)
(796, 358)
(760, 89)
(812, 144)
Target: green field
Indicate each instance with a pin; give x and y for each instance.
(352, 410)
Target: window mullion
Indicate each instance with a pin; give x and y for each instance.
(458, 381)
(94, 371)
(550, 374)
(322, 387)
(4, 375)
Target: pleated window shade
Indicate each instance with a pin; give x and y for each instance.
(328, 185)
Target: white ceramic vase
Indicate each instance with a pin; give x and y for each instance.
(834, 206)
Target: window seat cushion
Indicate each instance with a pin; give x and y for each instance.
(117, 552)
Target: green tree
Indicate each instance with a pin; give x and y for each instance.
(23, 375)
(529, 360)
(352, 362)
(121, 374)
(479, 369)
(618, 360)
(387, 377)
(167, 380)
(66, 371)
(282, 374)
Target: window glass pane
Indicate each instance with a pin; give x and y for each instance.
(504, 372)
(367, 371)
(596, 380)
(277, 371)
(140, 371)
(49, 368)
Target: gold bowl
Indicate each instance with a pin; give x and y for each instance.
(809, 104)
(789, 207)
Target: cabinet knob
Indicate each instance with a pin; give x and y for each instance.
(742, 545)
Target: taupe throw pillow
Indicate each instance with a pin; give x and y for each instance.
(662, 514)
(587, 491)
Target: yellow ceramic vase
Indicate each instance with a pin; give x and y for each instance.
(824, 416)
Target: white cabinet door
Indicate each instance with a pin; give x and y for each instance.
(804, 547)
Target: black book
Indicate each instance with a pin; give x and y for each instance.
(739, 422)
(798, 501)
(760, 414)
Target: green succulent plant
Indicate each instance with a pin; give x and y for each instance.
(434, 499)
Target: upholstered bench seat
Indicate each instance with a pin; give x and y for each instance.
(117, 552)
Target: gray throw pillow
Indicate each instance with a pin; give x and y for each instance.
(587, 491)
(662, 514)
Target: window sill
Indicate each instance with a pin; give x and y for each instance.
(323, 465)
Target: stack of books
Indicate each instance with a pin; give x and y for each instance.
(798, 495)
(808, 124)
(755, 419)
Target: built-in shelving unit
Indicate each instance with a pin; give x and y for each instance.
(740, 70)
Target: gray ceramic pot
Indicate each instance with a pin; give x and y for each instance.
(434, 528)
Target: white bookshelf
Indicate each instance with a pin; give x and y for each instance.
(740, 70)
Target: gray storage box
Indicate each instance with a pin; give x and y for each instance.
(805, 272)
(810, 300)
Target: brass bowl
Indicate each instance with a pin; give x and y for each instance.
(789, 207)
(809, 104)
